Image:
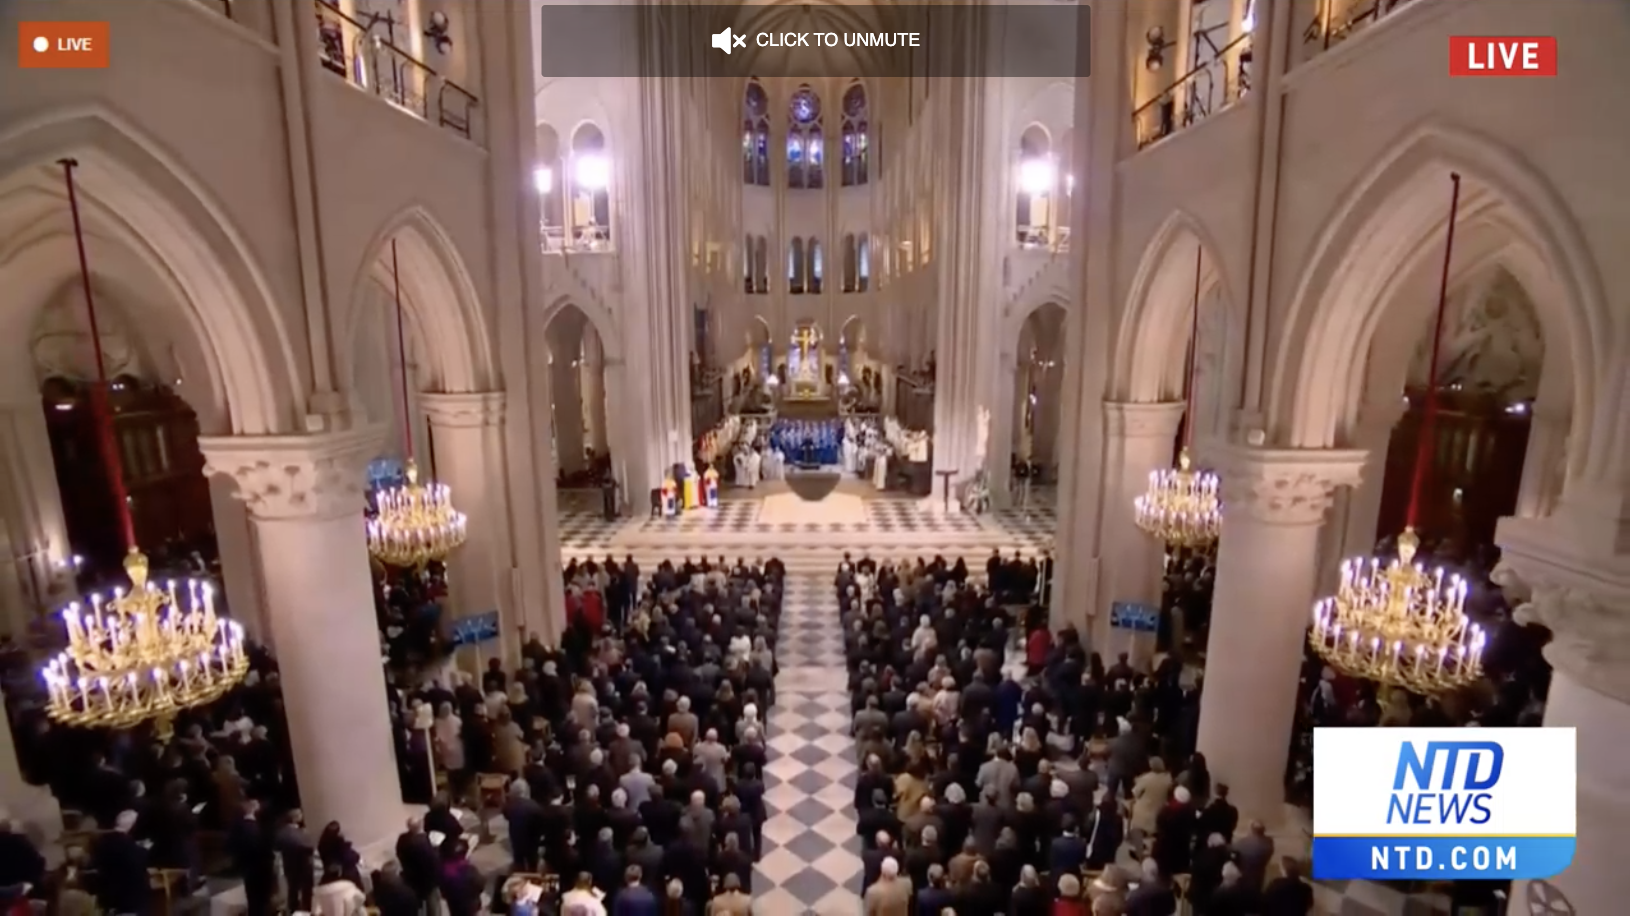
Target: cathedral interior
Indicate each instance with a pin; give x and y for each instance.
(462, 311)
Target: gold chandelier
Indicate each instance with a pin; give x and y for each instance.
(1395, 622)
(413, 523)
(1399, 624)
(1182, 507)
(140, 654)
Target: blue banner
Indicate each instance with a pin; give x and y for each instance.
(1440, 858)
(1139, 618)
(476, 629)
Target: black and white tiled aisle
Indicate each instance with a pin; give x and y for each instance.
(811, 862)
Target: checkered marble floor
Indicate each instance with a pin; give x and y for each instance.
(811, 862)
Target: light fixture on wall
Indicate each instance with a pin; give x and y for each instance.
(1155, 57)
(142, 653)
(592, 172)
(439, 32)
(413, 523)
(1248, 24)
(1392, 621)
(1037, 175)
(543, 178)
(1181, 506)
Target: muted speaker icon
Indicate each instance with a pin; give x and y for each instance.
(724, 41)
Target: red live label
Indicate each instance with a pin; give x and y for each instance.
(1504, 55)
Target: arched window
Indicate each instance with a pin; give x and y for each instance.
(755, 135)
(796, 266)
(856, 137)
(804, 153)
(546, 177)
(816, 267)
(851, 271)
(863, 260)
(1037, 180)
(590, 189)
(761, 265)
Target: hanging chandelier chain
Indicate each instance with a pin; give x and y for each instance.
(401, 355)
(1425, 447)
(101, 402)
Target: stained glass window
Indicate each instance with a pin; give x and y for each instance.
(804, 153)
(856, 142)
(806, 106)
(755, 135)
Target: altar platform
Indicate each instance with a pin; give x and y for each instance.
(808, 407)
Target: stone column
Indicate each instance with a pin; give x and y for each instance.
(240, 563)
(1139, 439)
(1049, 406)
(592, 390)
(469, 456)
(563, 384)
(1579, 588)
(1358, 510)
(1274, 502)
(305, 497)
(34, 808)
(38, 559)
(1545, 464)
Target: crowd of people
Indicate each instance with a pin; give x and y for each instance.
(1062, 788)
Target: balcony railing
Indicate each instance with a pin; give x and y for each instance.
(1337, 20)
(591, 238)
(1203, 91)
(364, 55)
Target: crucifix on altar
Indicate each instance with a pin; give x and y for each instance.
(805, 364)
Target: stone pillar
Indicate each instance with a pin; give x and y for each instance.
(1274, 502)
(1358, 510)
(1545, 464)
(592, 390)
(1579, 588)
(568, 396)
(1139, 439)
(240, 563)
(305, 497)
(1049, 406)
(469, 432)
(34, 808)
(38, 559)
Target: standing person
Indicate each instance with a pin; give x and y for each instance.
(252, 854)
(299, 853)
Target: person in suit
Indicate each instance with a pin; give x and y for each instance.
(1069, 850)
(1254, 851)
(524, 818)
(251, 848)
(121, 869)
(298, 852)
(420, 864)
(20, 861)
(1153, 896)
(1219, 815)
(891, 895)
(392, 895)
(1288, 894)
(635, 898)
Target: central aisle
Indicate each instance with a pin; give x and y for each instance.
(811, 861)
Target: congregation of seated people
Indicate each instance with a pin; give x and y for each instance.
(1041, 784)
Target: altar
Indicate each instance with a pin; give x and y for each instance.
(806, 380)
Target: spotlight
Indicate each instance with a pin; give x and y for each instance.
(1036, 176)
(593, 173)
(438, 30)
(544, 178)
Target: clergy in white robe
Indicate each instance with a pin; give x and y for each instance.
(849, 457)
(740, 459)
(776, 463)
(754, 462)
(880, 469)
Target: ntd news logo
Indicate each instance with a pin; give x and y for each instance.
(1443, 803)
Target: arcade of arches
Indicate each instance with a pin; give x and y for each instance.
(982, 335)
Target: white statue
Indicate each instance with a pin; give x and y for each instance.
(981, 442)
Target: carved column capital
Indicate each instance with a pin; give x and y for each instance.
(1590, 636)
(1283, 486)
(1143, 421)
(291, 477)
(464, 411)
